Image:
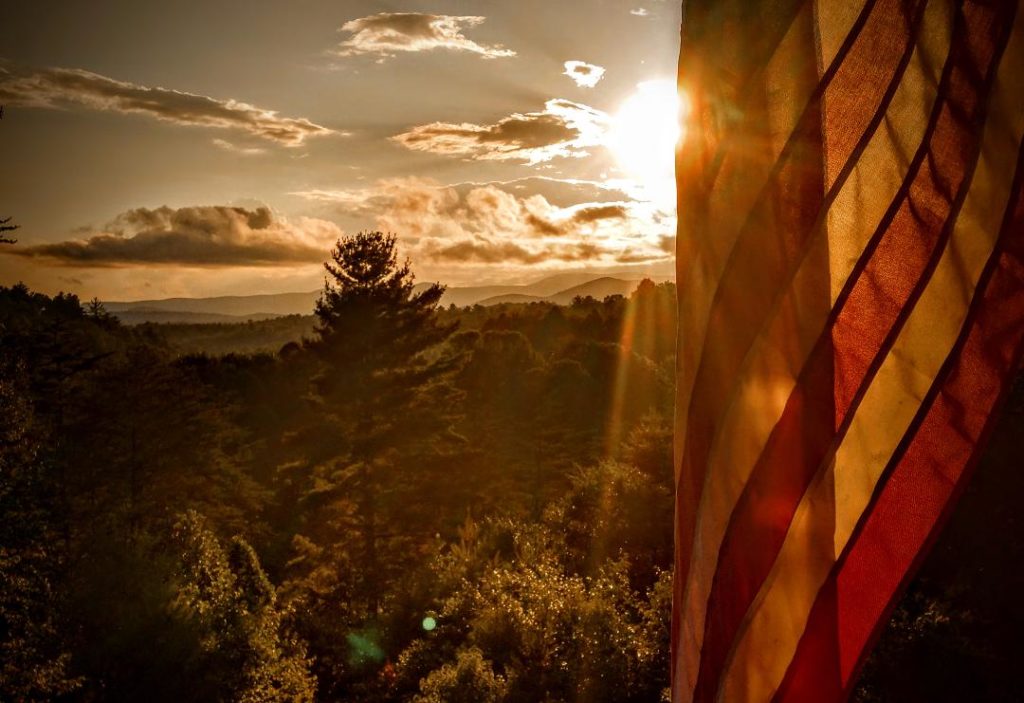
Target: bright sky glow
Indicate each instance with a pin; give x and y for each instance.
(508, 143)
(644, 133)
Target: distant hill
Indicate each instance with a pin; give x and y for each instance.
(560, 289)
(141, 315)
(599, 288)
(238, 305)
(511, 298)
(471, 295)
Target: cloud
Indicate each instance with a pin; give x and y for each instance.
(563, 129)
(640, 12)
(388, 33)
(586, 75)
(563, 192)
(234, 148)
(486, 224)
(419, 208)
(214, 236)
(596, 213)
(59, 88)
(503, 252)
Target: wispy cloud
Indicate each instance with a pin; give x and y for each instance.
(389, 33)
(236, 149)
(61, 88)
(214, 236)
(639, 12)
(586, 75)
(563, 129)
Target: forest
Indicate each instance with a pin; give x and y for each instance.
(395, 501)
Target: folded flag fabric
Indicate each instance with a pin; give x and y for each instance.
(851, 302)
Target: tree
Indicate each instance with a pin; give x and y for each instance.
(381, 433)
(6, 226)
(34, 658)
(246, 655)
(152, 440)
(470, 679)
(517, 625)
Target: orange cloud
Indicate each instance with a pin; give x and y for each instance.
(563, 129)
(487, 224)
(214, 236)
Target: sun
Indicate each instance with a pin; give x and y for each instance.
(644, 134)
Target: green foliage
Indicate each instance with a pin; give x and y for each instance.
(161, 444)
(550, 633)
(34, 655)
(511, 480)
(246, 654)
(221, 339)
(469, 679)
(353, 463)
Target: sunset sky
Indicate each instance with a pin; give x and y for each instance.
(219, 148)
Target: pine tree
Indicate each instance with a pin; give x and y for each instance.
(374, 332)
(383, 404)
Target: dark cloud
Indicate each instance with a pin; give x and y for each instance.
(517, 133)
(388, 33)
(194, 236)
(542, 225)
(562, 129)
(59, 88)
(593, 213)
(586, 75)
(582, 216)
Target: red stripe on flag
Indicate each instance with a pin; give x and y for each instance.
(923, 480)
(724, 49)
(743, 316)
(878, 297)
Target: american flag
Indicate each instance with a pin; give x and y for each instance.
(851, 295)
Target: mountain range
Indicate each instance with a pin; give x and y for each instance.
(559, 289)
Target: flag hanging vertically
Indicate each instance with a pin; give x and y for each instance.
(851, 299)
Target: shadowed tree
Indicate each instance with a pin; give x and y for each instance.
(380, 438)
(6, 226)
(34, 656)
